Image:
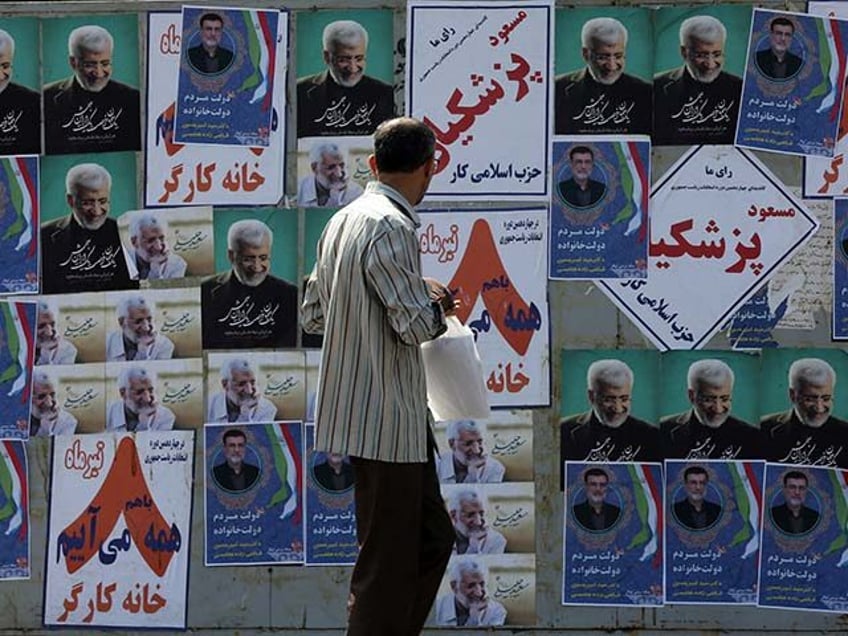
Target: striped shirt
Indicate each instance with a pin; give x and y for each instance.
(367, 296)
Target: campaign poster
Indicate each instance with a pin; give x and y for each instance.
(168, 244)
(253, 493)
(490, 265)
(721, 225)
(503, 592)
(14, 514)
(332, 172)
(794, 84)
(603, 81)
(118, 541)
(17, 335)
(228, 68)
(20, 100)
(713, 531)
(613, 535)
(839, 317)
(328, 508)
(821, 178)
(698, 64)
(805, 534)
(187, 174)
(474, 72)
(19, 224)
(91, 98)
(345, 72)
(81, 247)
(599, 209)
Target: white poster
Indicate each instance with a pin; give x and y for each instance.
(721, 226)
(185, 174)
(118, 541)
(495, 264)
(476, 74)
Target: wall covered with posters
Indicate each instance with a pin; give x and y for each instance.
(158, 223)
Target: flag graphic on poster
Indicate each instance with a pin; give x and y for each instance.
(495, 266)
(189, 174)
(118, 541)
(614, 557)
(14, 512)
(17, 349)
(18, 235)
(254, 502)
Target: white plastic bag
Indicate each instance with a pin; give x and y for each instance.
(455, 385)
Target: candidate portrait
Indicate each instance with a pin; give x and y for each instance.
(696, 511)
(342, 99)
(468, 604)
(213, 54)
(138, 408)
(235, 473)
(20, 107)
(601, 97)
(793, 516)
(91, 111)
(149, 253)
(333, 472)
(594, 513)
(580, 190)
(776, 61)
(697, 102)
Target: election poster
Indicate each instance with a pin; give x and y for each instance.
(713, 531)
(604, 64)
(613, 535)
(805, 539)
(14, 513)
(794, 83)
(332, 172)
(330, 514)
(17, 336)
(474, 72)
(20, 99)
(254, 507)
(228, 68)
(118, 538)
(180, 174)
(95, 106)
(490, 265)
(19, 225)
(840, 269)
(721, 225)
(599, 209)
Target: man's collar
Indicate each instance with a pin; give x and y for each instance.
(397, 198)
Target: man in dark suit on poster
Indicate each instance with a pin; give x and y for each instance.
(20, 119)
(777, 62)
(595, 513)
(580, 190)
(235, 474)
(792, 516)
(696, 512)
(209, 57)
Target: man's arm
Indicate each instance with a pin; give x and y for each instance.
(393, 274)
(313, 313)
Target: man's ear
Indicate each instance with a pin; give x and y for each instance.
(372, 164)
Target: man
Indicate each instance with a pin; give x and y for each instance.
(329, 185)
(602, 98)
(367, 296)
(608, 432)
(777, 62)
(697, 103)
(808, 433)
(335, 473)
(150, 255)
(580, 190)
(138, 409)
(708, 430)
(247, 307)
(595, 513)
(468, 605)
(239, 401)
(792, 516)
(695, 512)
(46, 417)
(342, 100)
(20, 107)
(90, 111)
(234, 473)
(467, 462)
(50, 346)
(209, 57)
(82, 251)
(467, 510)
(137, 337)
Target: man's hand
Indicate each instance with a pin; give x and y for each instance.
(442, 295)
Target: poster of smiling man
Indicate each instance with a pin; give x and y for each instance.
(794, 84)
(474, 72)
(599, 210)
(20, 99)
(91, 99)
(228, 67)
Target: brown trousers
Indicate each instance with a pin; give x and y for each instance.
(405, 539)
